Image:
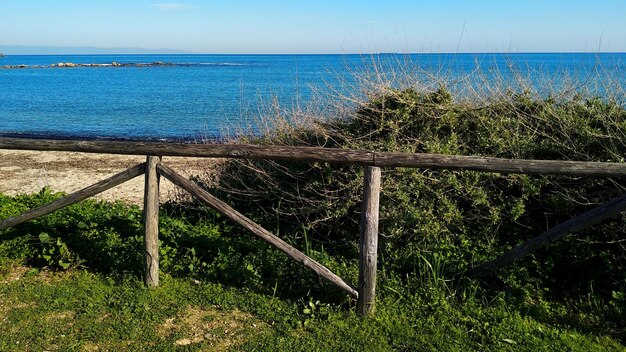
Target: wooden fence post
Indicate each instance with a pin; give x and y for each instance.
(151, 223)
(368, 249)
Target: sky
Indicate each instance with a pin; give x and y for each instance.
(319, 26)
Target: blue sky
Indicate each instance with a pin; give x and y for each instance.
(319, 26)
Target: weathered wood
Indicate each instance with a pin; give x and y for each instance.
(554, 234)
(240, 151)
(151, 222)
(256, 229)
(368, 248)
(331, 155)
(499, 165)
(75, 197)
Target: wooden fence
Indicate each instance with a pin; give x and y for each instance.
(365, 292)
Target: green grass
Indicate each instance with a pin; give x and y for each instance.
(80, 288)
(79, 310)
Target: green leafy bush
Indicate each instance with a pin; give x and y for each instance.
(463, 218)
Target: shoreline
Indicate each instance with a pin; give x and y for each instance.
(111, 64)
(27, 172)
(58, 136)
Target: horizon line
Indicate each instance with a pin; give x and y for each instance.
(330, 53)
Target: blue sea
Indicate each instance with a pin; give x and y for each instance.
(208, 96)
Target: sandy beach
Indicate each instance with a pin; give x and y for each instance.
(26, 172)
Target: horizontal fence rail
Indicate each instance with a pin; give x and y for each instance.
(330, 155)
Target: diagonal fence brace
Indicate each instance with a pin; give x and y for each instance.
(208, 199)
(75, 197)
(593, 216)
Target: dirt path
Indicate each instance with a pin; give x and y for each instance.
(26, 172)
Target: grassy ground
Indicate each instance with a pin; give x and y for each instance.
(72, 281)
(82, 311)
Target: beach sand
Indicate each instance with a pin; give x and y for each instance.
(27, 172)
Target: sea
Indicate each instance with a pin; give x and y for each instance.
(196, 97)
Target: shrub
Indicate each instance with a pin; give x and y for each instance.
(462, 217)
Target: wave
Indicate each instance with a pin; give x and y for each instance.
(221, 64)
(126, 64)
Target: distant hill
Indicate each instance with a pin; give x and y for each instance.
(58, 50)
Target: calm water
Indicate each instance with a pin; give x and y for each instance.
(209, 95)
